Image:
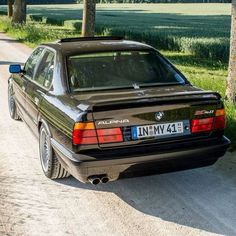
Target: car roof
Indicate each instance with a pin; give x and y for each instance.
(98, 44)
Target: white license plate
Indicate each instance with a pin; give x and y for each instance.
(160, 130)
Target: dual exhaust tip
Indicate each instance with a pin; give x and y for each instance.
(97, 179)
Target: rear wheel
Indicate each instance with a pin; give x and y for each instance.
(12, 104)
(49, 161)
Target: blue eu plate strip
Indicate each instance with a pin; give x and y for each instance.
(134, 133)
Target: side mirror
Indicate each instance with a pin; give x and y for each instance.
(15, 69)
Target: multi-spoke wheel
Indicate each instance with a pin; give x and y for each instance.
(11, 104)
(50, 164)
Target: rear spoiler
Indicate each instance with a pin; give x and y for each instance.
(115, 104)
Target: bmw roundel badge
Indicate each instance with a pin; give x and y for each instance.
(159, 115)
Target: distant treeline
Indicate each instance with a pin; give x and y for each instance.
(4, 2)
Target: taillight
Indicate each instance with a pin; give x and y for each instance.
(85, 133)
(209, 124)
(220, 120)
(110, 135)
(201, 125)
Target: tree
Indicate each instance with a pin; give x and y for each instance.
(231, 80)
(19, 12)
(10, 8)
(89, 13)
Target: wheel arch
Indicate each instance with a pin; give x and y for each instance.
(42, 121)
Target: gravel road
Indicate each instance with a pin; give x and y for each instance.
(195, 202)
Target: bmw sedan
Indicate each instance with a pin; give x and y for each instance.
(105, 107)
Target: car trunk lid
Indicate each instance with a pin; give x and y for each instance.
(151, 115)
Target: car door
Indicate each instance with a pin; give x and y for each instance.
(21, 80)
(38, 87)
(19, 85)
(28, 73)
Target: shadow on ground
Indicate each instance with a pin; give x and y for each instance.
(196, 198)
(10, 40)
(4, 63)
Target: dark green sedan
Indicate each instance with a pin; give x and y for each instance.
(104, 108)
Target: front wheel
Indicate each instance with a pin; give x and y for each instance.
(49, 161)
(12, 104)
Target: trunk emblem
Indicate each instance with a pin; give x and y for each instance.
(110, 122)
(159, 115)
(204, 112)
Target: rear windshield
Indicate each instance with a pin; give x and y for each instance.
(112, 70)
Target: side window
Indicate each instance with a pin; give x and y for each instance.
(32, 62)
(44, 73)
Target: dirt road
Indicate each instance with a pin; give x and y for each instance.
(196, 202)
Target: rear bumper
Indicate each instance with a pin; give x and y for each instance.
(81, 166)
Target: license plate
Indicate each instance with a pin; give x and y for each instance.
(161, 130)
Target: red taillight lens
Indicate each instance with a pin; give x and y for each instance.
(201, 125)
(84, 140)
(219, 122)
(110, 135)
(209, 124)
(85, 133)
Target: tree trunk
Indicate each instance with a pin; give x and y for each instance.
(231, 80)
(88, 27)
(10, 8)
(19, 12)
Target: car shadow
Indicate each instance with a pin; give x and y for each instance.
(201, 198)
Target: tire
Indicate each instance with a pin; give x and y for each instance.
(12, 104)
(49, 161)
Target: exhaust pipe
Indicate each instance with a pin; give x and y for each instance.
(95, 180)
(104, 179)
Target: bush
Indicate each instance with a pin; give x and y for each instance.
(33, 34)
(36, 18)
(54, 21)
(3, 13)
(213, 49)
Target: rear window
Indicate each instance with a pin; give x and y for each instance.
(120, 70)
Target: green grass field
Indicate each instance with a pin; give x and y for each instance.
(200, 29)
(195, 37)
